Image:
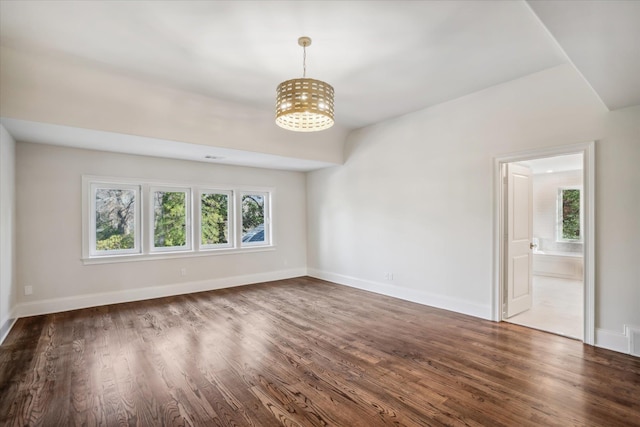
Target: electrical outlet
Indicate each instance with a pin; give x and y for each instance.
(183, 271)
(388, 276)
(28, 290)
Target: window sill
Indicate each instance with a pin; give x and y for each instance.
(111, 259)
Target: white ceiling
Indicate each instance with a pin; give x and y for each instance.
(554, 164)
(384, 58)
(67, 136)
(602, 39)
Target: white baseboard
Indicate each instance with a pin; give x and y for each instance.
(626, 342)
(611, 340)
(620, 342)
(56, 305)
(420, 297)
(633, 332)
(6, 326)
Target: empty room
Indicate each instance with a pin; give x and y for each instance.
(319, 213)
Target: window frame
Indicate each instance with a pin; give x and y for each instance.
(230, 220)
(560, 214)
(92, 250)
(143, 249)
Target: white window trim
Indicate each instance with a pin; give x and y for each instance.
(155, 256)
(89, 218)
(144, 225)
(231, 235)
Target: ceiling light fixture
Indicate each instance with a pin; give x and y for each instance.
(304, 105)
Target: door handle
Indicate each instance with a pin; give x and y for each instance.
(531, 246)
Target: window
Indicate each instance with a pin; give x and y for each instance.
(125, 220)
(214, 219)
(170, 209)
(255, 219)
(569, 215)
(114, 219)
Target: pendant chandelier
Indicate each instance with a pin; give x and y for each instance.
(304, 105)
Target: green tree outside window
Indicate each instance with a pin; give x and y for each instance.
(170, 216)
(570, 212)
(214, 218)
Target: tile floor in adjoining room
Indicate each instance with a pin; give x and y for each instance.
(557, 307)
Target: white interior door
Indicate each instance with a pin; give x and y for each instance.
(519, 256)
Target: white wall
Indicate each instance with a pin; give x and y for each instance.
(618, 221)
(415, 195)
(7, 231)
(49, 226)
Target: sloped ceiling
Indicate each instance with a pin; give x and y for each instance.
(384, 58)
(602, 39)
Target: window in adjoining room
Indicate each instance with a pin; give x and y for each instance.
(569, 215)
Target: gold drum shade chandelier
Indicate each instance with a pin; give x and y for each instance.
(304, 105)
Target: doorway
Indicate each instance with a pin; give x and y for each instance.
(544, 251)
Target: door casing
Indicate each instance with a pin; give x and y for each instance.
(587, 150)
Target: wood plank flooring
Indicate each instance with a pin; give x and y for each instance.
(303, 352)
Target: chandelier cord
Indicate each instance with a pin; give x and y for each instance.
(304, 60)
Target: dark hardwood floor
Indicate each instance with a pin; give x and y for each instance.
(303, 352)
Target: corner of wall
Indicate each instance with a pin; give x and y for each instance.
(6, 327)
(7, 232)
(413, 295)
